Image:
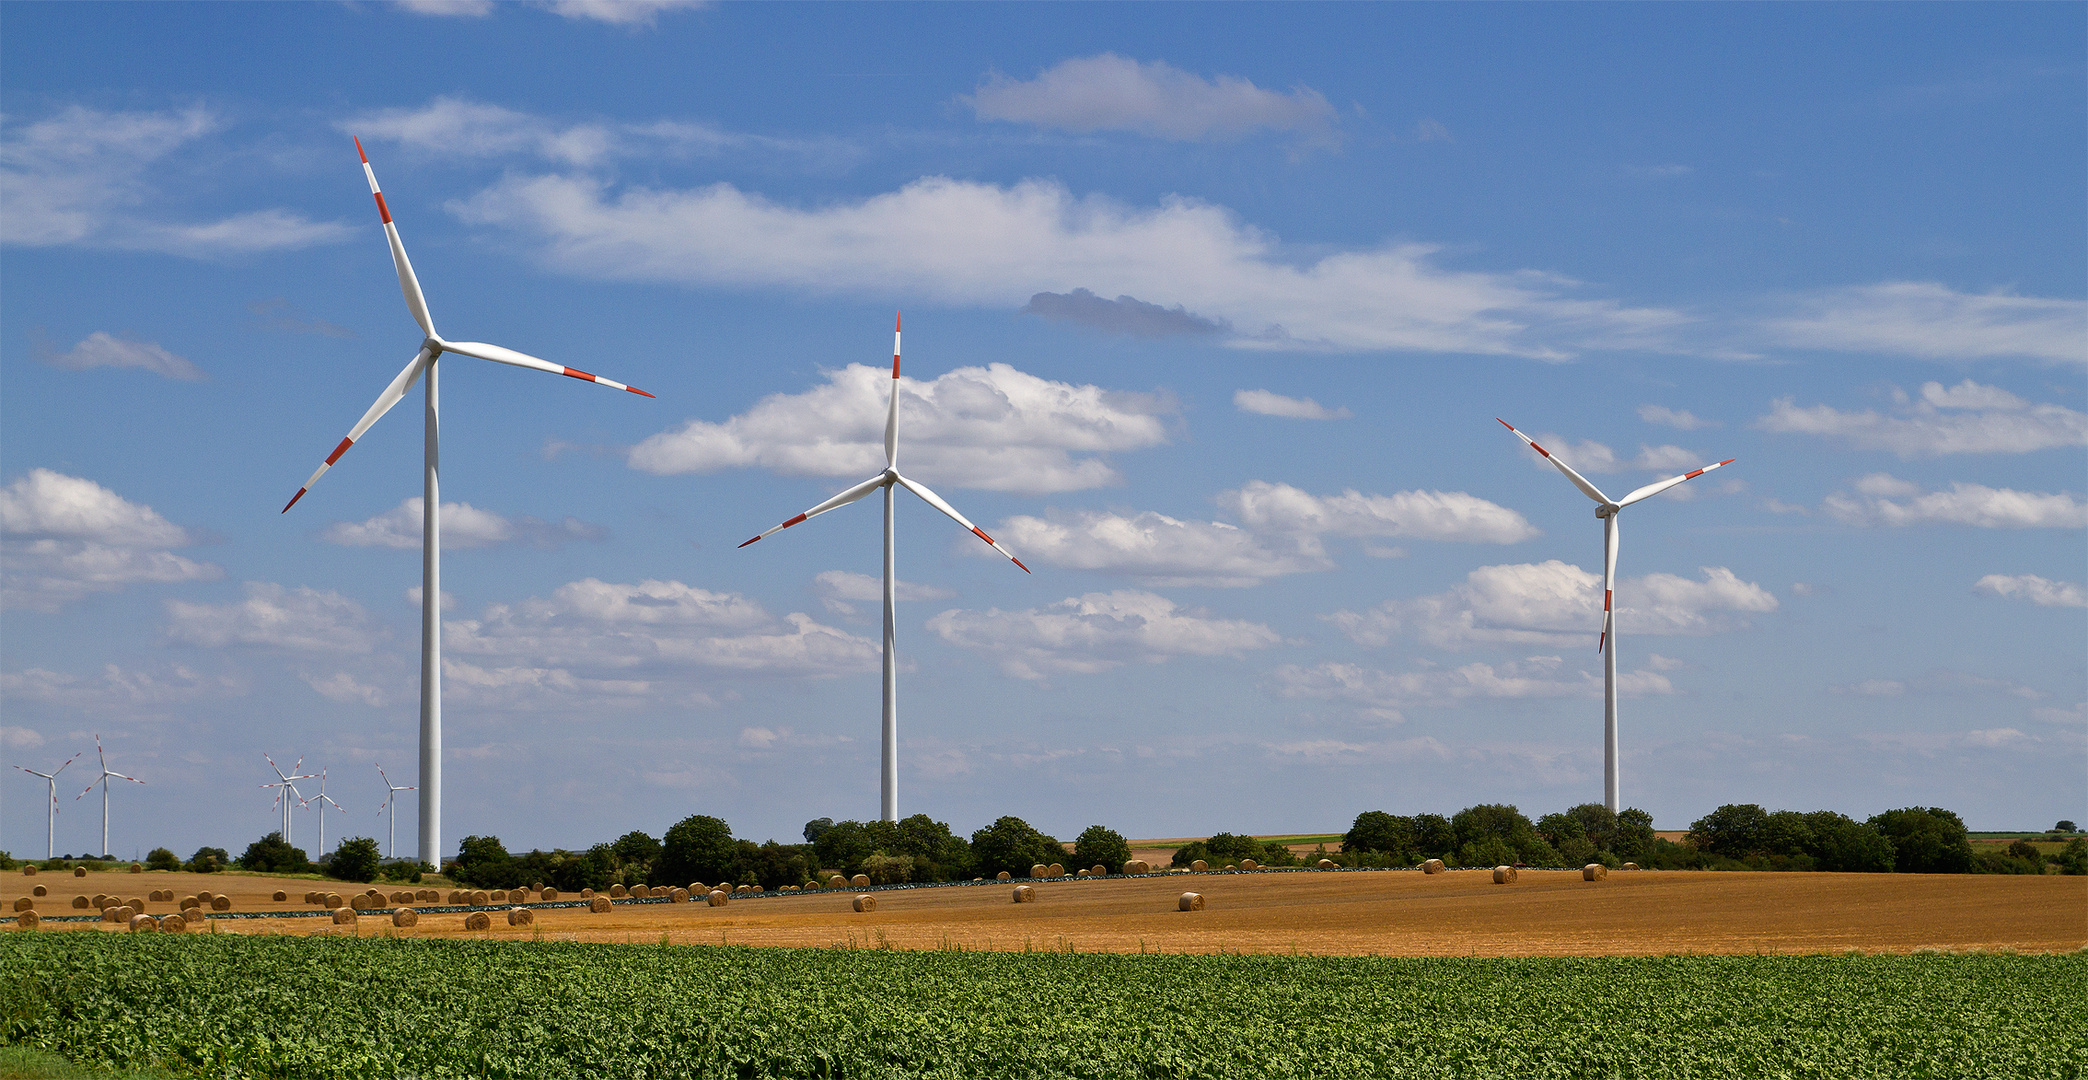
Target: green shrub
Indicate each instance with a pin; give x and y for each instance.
(355, 859)
(1099, 844)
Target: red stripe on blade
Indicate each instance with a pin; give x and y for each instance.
(1728, 461)
(1694, 475)
(635, 390)
(794, 521)
(750, 541)
(1539, 449)
(293, 500)
(359, 151)
(981, 535)
(1605, 599)
(339, 450)
(895, 365)
(1018, 562)
(576, 373)
(383, 211)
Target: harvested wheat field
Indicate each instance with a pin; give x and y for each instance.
(1385, 913)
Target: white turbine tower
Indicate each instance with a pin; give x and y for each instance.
(391, 791)
(324, 800)
(51, 812)
(890, 477)
(286, 790)
(1607, 509)
(423, 366)
(103, 780)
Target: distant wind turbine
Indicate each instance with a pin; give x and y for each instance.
(391, 791)
(51, 811)
(888, 479)
(1607, 509)
(103, 780)
(324, 800)
(286, 790)
(423, 366)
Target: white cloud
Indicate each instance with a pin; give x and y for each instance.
(99, 349)
(1450, 516)
(301, 619)
(1881, 499)
(841, 590)
(628, 13)
(1964, 419)
(524, 687)
(116, 690)
(1935, 322)
(19, 738)
(1096, 632)
(452, 9)
(460, 127)
(1555, 603)
(1267, 403)
(1385, 694)
(994, 428)
(1160, 550)
(1663, 663)
(343, 687)
(1588, 456)
(1127, 315)
(64, 537)
(1680, 419)
(2043, 592)
(463, 526)
(964, 242)
(1115, 93)
(78, 177)
(783, 738)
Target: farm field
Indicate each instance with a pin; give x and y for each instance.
(1383, 913)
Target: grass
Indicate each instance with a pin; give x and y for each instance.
(27, 1063)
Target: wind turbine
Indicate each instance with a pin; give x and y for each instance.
(323, 799)
(423, 365)
(391, 791)
(1607, 509)
(890, 477)
(286, 789)
(51, 812)
(103, 780)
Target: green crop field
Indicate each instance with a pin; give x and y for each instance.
(316, 1007)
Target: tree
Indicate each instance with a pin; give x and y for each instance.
(1433, 836)
(1926, 840)
(2073, 858)
(1099, 844)
(889, 869)
(635, 854)
(938, 853)
(484, 862)
(1634, 840)
(1011, 844)
(162, 859)
(1735, 830)
(845, 844)
(208, 860)
(1843, 845)
(2066, 826)
(1503, 822)
(272, 855)
(355, 860)
(816, 826)
(1378, 831)
(698, 848)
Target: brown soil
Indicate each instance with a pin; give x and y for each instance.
(1398, 913)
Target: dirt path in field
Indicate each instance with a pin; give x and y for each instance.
(1395, 913)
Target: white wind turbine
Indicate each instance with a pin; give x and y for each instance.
(286, 790)
(324, 800)
(890, 477)
(103, 780)
(391, 791)
(51, 812)
(1607, 509)
(423, 366)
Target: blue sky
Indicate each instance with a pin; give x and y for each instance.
(1210, 312)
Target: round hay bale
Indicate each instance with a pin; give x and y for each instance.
(642, 892)
(361, 902)
(344, 916)
(497, 896)
(30, 920)
(79, 902)
(834, 882)
(478, 920)
(617, 890)
(1432, 866)
(549, 896)
(405, 916)
(190, 903)
(24, 903)
(587, 894)
(1082, 873)
(280, 896)
(1249, 864)
(402, 897)
(1025, 894)
(860, 881)
(1058, 870)
(1138, 866)
(1098, 870)
(678, 896)
(143, 924)
(718, 898)
(1199, 866)
(135, 903)
(79, 871)
(1231, 868)
(480, 898)
(455, 896)
(29, 870)
(332, 900)
(173, 924)
(521, 916)
(1504, 875)
(39, 891)
(137, 869)
(1594, 871)
(1327, 864)
(600, 905)
(536, 886)
(1190, 901)
(1038, 870)
(865, 902)
(118, 914)
(311, 897)
(1002, 876)
(102, 900)
(1631, 866)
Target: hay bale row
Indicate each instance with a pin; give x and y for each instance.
(718, 898)
(865, 902)
(599, 905)
(118, 915)
(1024, 894)
(1594, 871)
(479, 920)
(1504, 875)
(1432, 866)
(521, 916)
(1190, 901)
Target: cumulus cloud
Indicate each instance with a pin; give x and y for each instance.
(1450, 516)
(100, 349)
(1882, 499)
(1096, 632)
(964, 242)
(841, 590)
(1126, 315)
(1680, 419)
(1558, 604)
(2043, 592)
(1159, 550)
(1384, 694)
(460, 127)
(994, 428)
(303, 619)
(463, 526)
(1267, 403)
(1964, 419)
(117, 690)
(1115, 93)
(1934, 322)
(64, 537)
(78, 177)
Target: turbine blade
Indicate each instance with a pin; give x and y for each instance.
(934, 500)
(499, 355)
(132, 779)
(1579, 481)
(1609, 577)
(892, 415)
(401, 383)
(408, 284)
(1651, 490)
(843, 499)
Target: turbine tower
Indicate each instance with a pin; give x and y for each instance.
(423, 366)
(888, 802)
(391, 790)
(51, 812)
(1607, 509)
(286, 790)
(103, 780)
(324, 800)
